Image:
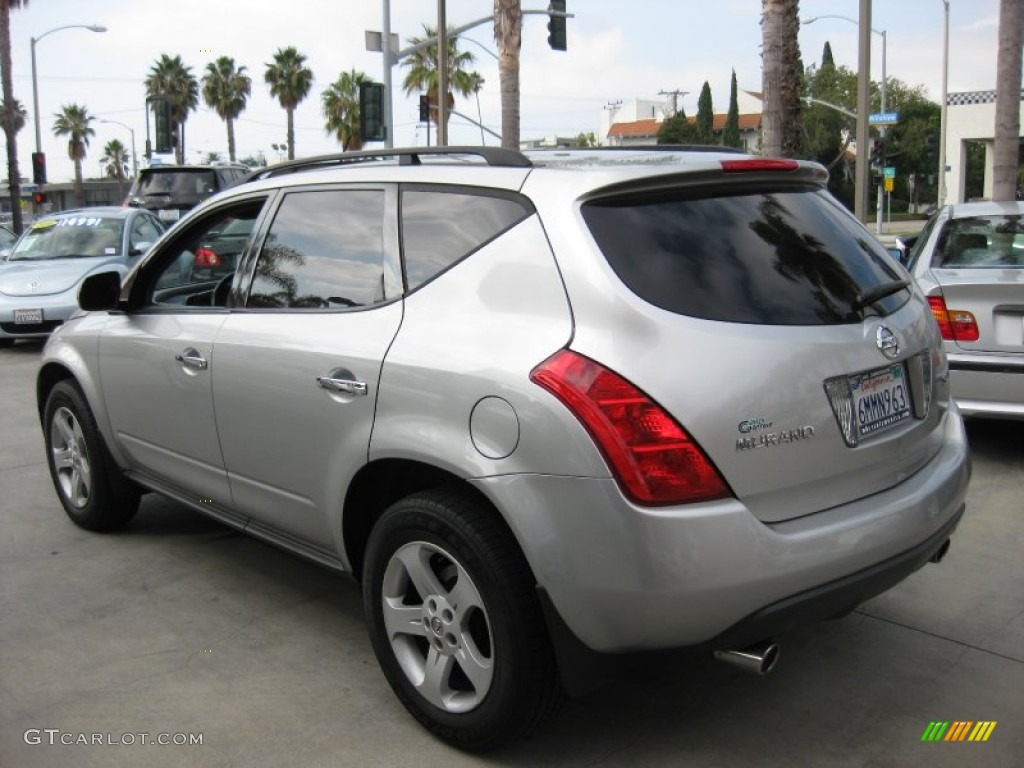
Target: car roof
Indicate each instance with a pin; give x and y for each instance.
(575, 171)
(189, 168)
(986, 208)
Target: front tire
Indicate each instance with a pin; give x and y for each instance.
(80, 465)
(455, 621)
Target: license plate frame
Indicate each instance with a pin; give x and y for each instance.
(168, 214)
(881, 399)
(28, 316)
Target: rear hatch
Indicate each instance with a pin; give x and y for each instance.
(979, 266)
(774, 328)
(172, 191)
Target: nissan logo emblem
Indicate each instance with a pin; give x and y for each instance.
(886, 341)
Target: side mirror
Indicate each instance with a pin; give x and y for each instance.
(905, 245)
(4, 253)
(140, 248)
(100, 291)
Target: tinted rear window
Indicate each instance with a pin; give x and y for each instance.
(178, 183)
(774, 258)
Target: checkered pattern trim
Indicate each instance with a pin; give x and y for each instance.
(973, 97)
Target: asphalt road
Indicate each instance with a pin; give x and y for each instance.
(181, 627)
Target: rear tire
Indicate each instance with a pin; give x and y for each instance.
(80, 464)
(455, 621)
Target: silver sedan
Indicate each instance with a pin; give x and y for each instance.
(969, 261)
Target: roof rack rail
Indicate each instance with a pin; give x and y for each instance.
(493, 156)
(668, 148)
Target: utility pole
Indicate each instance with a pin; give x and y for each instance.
(863, 176)
(442, 74)
(676, 95)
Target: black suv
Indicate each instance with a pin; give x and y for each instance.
(171, 190)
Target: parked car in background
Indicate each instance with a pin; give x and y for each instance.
(547, 408)
(39, 281)
(172, 190)
(969, 261)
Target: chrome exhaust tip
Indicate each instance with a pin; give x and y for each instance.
(940, 553)
(759, 659)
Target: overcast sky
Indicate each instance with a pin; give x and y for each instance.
(616, 50)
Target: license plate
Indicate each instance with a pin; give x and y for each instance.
(881, 399)
(28, 317)
(168, 214)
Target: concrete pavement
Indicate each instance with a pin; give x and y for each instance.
(178, 625)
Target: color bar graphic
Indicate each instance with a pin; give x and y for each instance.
(958, 730)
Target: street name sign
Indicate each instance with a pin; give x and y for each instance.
(883, 118)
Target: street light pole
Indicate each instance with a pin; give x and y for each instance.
(35, 79)
(135, 160)
(389, 115)
(942, 118)
(881, 129)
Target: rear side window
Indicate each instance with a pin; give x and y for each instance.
(324, 250)
(440, 228)
(772, 258)
(980, 242)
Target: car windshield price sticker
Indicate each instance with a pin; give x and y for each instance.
(880, 399)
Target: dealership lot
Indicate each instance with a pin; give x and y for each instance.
(178, 627)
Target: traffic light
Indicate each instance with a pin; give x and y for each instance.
(424, 108)
(162, 119)
(556, 26)
(878, 151)
(931, 142)
(371, 112)
(38, 197)
(38, 168)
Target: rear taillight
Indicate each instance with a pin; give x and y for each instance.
(206, 257)
(651, 456)
(954, 324)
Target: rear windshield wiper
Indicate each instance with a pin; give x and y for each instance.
(878, 293)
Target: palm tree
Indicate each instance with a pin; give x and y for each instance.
(14, 116)
(171, 79)
(226, 89)
(780, 76)
(115, 162)
(508, 33)
(422, 74)
(340, 103)
(74, 121)
(1007, 125)
(478, 84)
(9, 124)
(290, 80)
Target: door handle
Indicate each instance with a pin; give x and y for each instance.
(191, 358)
(344, 386)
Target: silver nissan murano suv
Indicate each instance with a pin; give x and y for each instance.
(546, 408)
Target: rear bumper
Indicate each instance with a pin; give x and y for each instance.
(624, 578)
(988, 385)
(837, 598)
